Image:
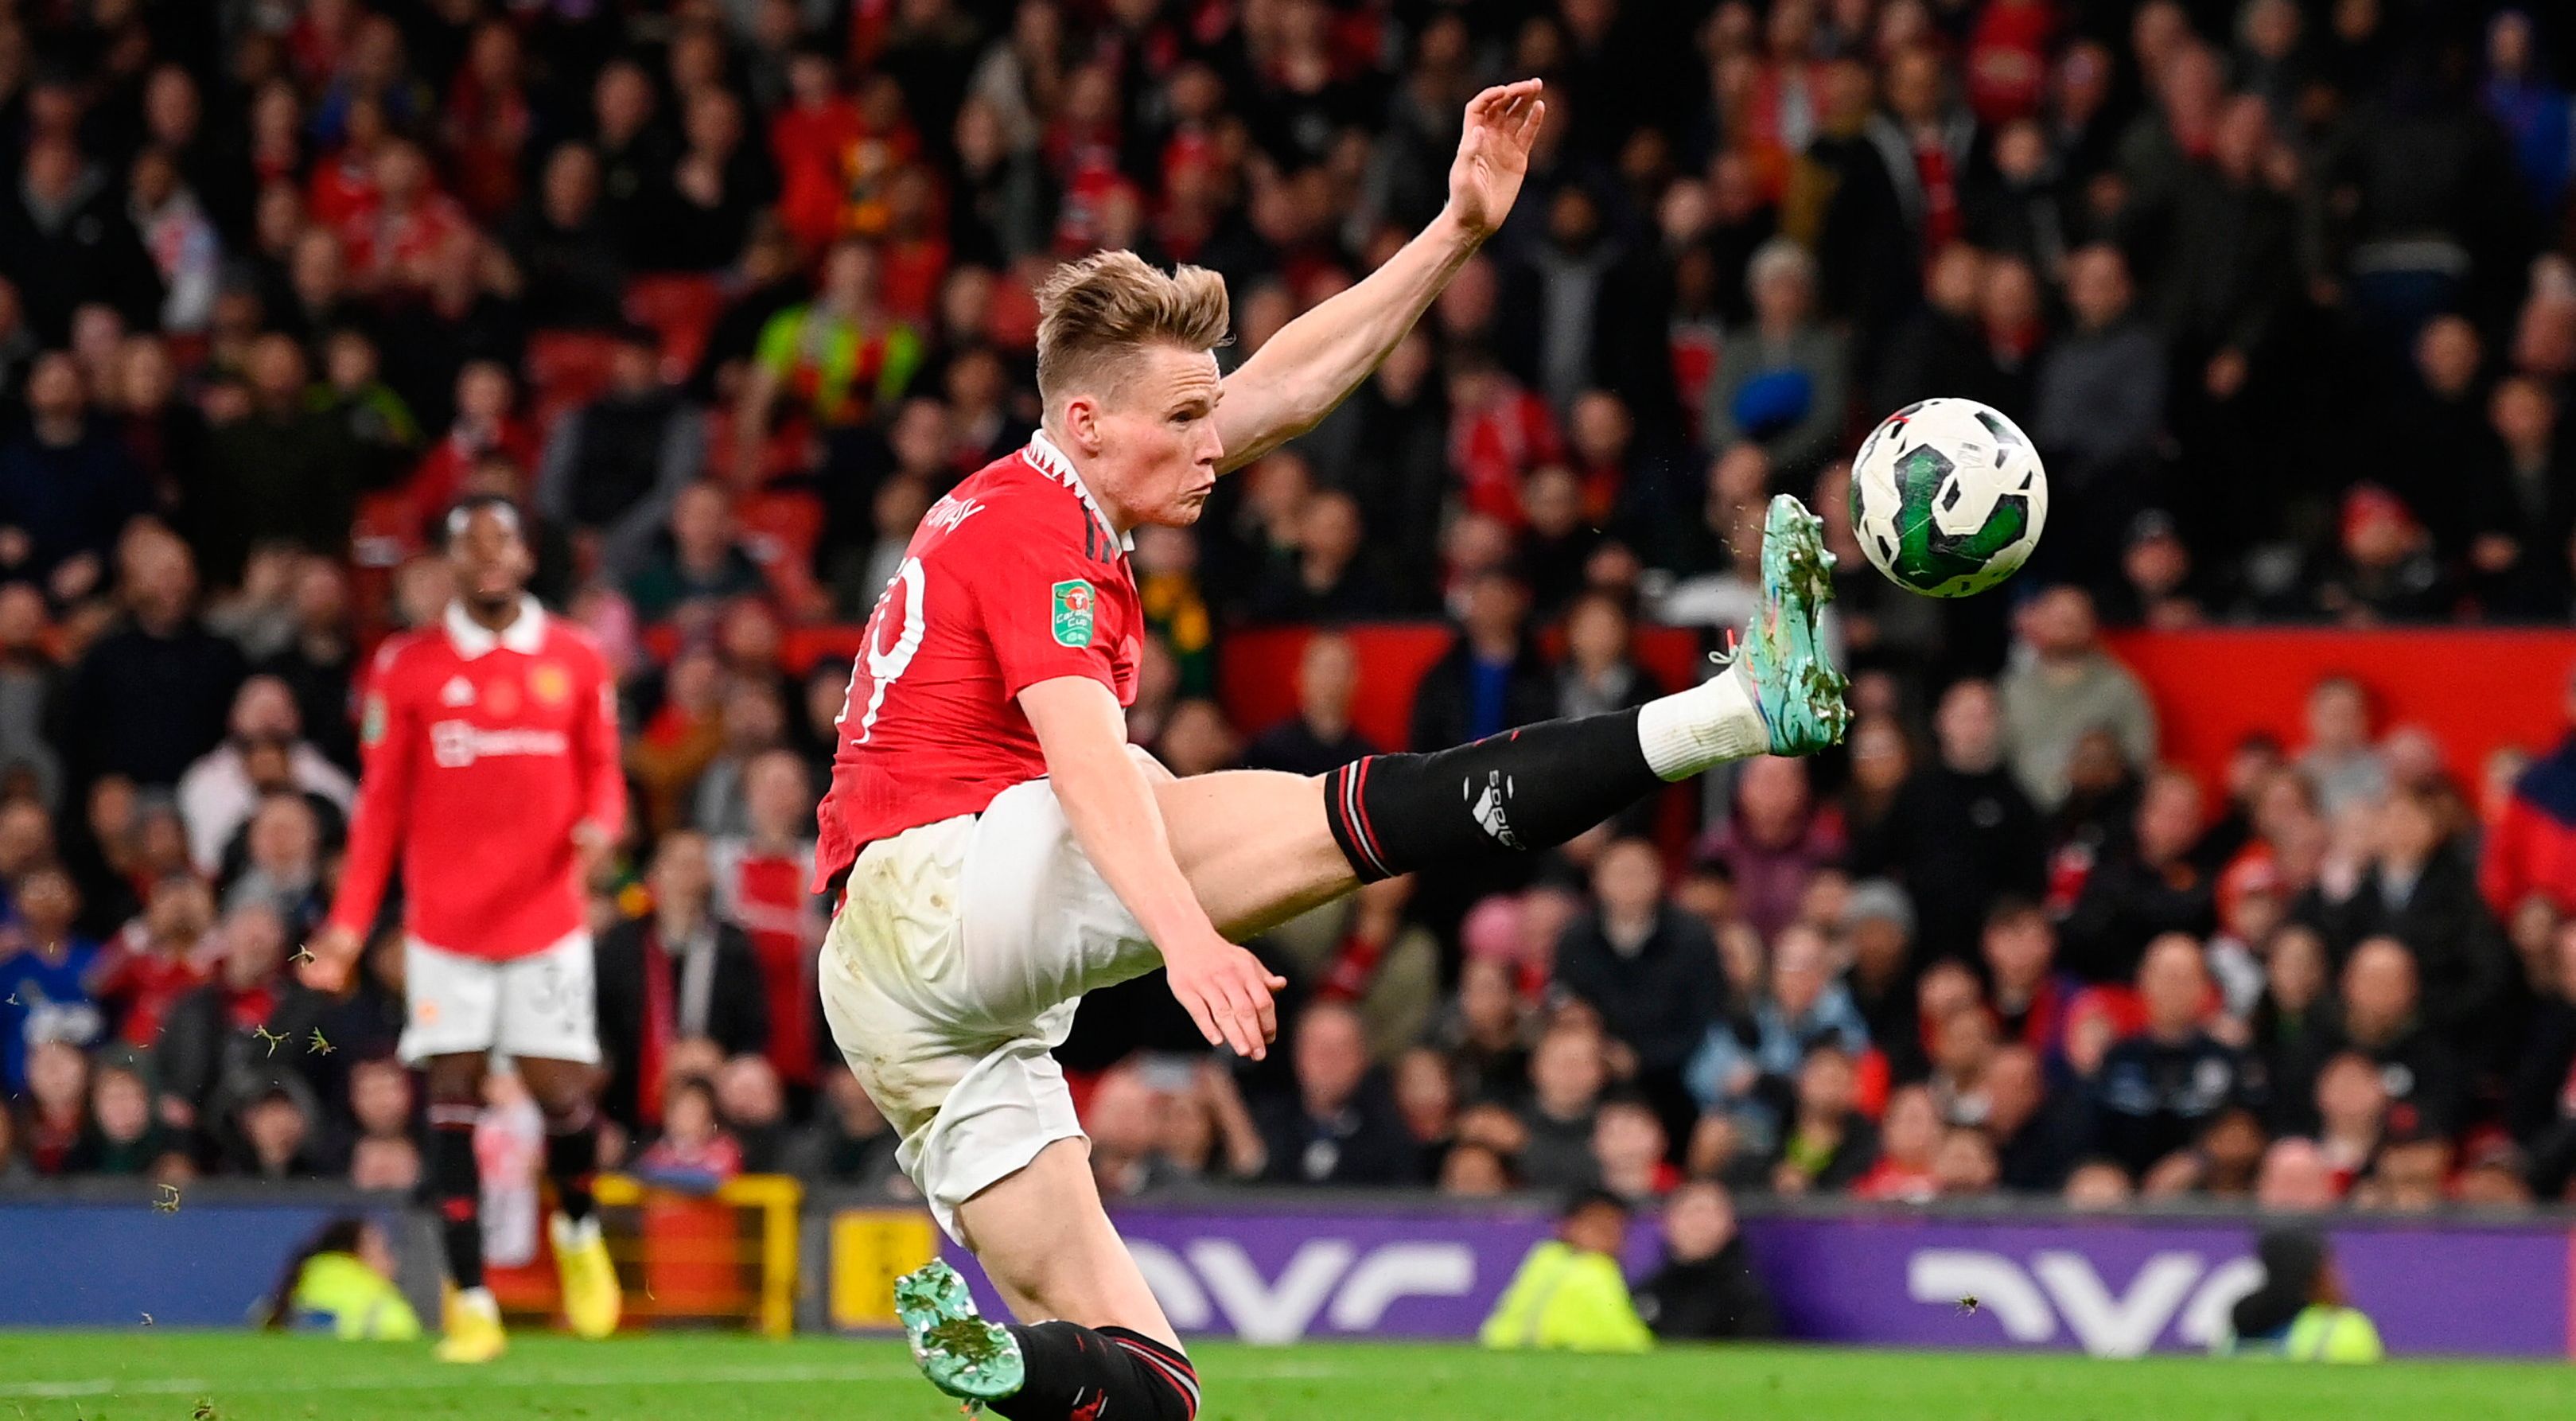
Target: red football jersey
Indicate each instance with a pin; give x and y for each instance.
(483, 750)
(1014, 578)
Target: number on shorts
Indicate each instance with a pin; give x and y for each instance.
(882, 667)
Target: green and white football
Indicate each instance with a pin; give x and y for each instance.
(1947, 497)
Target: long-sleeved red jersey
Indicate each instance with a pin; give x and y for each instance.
(483, 752)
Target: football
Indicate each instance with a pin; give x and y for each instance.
(1948, 497)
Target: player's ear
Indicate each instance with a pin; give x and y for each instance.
(1082, 424)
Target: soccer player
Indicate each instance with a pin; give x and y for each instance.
(1003, 850)
(490, 760)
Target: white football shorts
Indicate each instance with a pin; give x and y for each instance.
(538, 1006)
(953, 969)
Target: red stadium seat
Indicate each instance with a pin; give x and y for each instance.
(682, 308)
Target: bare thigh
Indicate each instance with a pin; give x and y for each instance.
(1049, 1248)
(1254, 846)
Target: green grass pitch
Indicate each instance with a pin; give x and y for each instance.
(147, 1374)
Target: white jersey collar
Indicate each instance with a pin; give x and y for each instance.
(1043, 454)
(472, 639)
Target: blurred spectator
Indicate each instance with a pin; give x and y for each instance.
(2098, 407)
(693, 1151)
(225, 1034)
(613, 467)
(1567, 1075)
(67, 488)
(124, 1138)
(2027, 991)
(2530, 848)
(62, 219)
(217, 796)
(1628, 1149)
(849, 1142)
(158, 958)
(2157, 1088)
(838, 358)
(2299, 1310)
(1647, 967)
(1340, 1125)
(281, 471)
(1744, 1068)
(1782, 380)
(2382, 1020)
(1319, 737)
(2064, 685)
(46, 974)
(1774, 841)
(1490, 679)
(2035, 1131)
(760, 886)
(2420, 891)
(1568, 1294)
(1705, 1288)
(344, 1281)
(150, 696)
(2540, 1105)
(674, 976)
(2147, 887)
(704, 561)
(1961, 832)
(1910, 1136)
(2385, 568)
(1827, 1144)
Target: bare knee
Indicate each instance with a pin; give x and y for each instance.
(454, 1080)
(565, 1091)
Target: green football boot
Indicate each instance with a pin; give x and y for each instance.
(961, 1353)
(1794, 681)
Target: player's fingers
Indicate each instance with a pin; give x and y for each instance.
(1266, 1010)
(1198, 1010)
(1242, 1024)
(1482, 105)
(1531, 121)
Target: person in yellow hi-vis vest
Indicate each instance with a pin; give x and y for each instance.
(342, 1281)
(1569, 1294)
(2299, 1311)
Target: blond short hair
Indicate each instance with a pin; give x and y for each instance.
(1096, 312)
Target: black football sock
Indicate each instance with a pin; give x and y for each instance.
(455, 1187)
(1112, 1374)
(1526, 789)
(572, 1157)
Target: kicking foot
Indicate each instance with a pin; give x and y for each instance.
(1794, 682)
(961, 1353)
(472, 1324)
(591, 1299)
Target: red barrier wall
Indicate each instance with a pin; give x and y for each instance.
(2476, 689)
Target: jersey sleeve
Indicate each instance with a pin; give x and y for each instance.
(1038, 592)
(595, 750)
(389, 742)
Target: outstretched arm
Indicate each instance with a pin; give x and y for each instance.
(1295, 379)
(1109, 804)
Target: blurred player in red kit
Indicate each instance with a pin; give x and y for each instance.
(1002, 849)
(491, 765)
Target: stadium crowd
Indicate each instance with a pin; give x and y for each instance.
(726, 294)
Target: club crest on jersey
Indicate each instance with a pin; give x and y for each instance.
(457, 692)
(1072, 619)
(550, 684)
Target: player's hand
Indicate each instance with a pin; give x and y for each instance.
(1493, 154)
(328, 960)
(1227, 992)
(591, 846)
